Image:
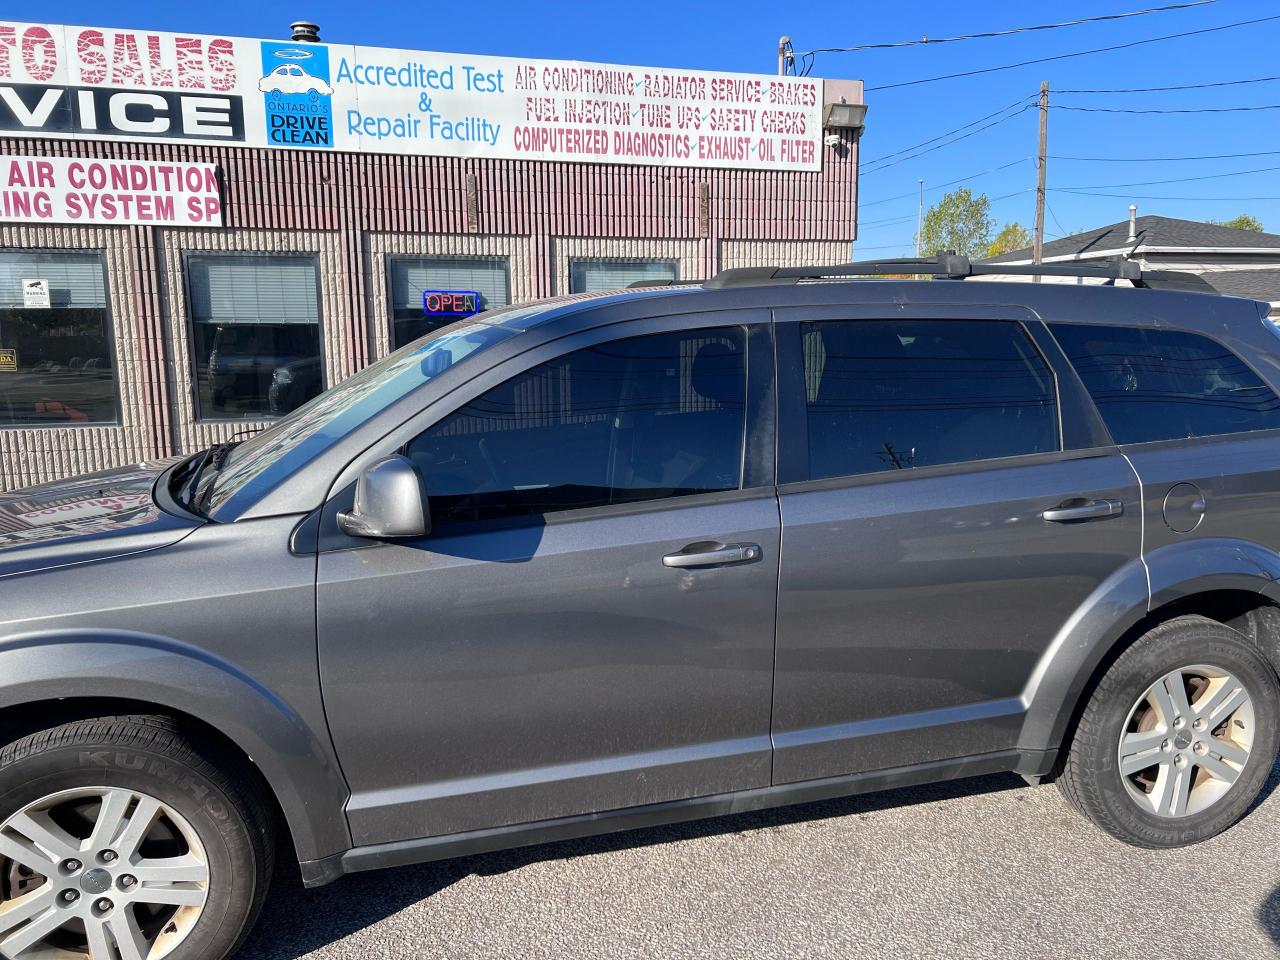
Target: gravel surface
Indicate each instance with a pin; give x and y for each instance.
(977, 868)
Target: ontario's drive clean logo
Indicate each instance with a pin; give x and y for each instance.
(299, 98)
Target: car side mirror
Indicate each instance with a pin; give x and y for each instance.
(390, 503)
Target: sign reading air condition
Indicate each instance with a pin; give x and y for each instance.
(79, 190)
(450, 303)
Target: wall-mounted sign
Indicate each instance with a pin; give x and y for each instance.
(77, 190)
(8, 360)
(450, 303)
(35, 295)
(98, 82)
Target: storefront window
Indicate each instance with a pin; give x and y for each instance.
(255, 334)
(56, 363)
(415, 312)
(593, 276)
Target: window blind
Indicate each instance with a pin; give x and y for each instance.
(593, 276)
(253, 290)
(75, 279)
(487, 276)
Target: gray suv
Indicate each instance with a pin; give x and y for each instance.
(619, 560)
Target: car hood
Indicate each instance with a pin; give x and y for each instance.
(86, 518)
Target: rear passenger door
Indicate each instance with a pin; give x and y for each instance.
(922, 578)
(1199, 424)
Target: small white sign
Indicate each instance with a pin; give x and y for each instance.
(35, 294)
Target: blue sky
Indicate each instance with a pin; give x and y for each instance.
(742, 36)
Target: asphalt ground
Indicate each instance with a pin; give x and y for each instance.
(979, 868)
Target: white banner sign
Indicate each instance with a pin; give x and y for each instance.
(98, 82)
(73, 190)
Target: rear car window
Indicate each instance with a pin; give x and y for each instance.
(1151, 384)
(894, 394)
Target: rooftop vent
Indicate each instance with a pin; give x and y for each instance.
(304, 32)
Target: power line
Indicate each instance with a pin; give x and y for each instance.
(1211, 156)
(1080, 53)
(1154, 183)
(1183, 86)
(1006, 33)
(1264, 106)
(965, 136)
(949, 183)
(1134, 196)
(965, 126)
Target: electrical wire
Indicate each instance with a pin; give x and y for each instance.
(1156, 183)
(1264, 106)
(966, 126)
(1079, 53)
(1211, 156)
(949, 183)
(965, 136)
(1134, 196)
(1183, 86)
(1011, 31)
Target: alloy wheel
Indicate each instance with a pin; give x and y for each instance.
(1186, 741)
(101, 872)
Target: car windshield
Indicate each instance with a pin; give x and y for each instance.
(263, 461)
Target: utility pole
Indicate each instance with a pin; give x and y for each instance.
(1037, 245)
(920, 220)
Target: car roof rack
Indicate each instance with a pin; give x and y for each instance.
(638, 284)
(952, 266)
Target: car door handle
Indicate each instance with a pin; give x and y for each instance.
(712, 553)
(1084, 510)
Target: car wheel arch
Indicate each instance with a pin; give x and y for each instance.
(1230, 581)
(143, 674)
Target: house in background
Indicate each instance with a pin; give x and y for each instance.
(1241, 263)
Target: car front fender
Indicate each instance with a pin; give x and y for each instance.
(1175, 572)
(178, 677)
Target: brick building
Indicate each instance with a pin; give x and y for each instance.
(127, 333)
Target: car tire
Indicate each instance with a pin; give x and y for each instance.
(1202, 777)
(102, 783)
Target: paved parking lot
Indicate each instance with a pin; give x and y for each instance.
(981, 868)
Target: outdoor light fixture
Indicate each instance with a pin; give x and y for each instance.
(844, 116)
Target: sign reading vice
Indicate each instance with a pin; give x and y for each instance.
(98, 82)
(77, 190)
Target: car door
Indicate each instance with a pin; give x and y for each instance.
(949, 498)
(590, 624)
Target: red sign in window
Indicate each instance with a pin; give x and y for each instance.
(450, 303)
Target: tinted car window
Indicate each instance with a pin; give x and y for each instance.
(622, 422)
(890, 394)
(1153, 384)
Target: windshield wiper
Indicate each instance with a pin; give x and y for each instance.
(213, 459)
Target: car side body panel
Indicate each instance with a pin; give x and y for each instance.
(220, 626)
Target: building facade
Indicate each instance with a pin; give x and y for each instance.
(128, 334)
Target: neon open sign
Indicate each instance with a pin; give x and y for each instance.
(450, 303)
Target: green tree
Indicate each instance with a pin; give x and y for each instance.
(960, 222)
(1012, 236)
(1245, 221)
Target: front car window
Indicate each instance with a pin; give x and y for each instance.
(56, 362)
(1152, 384)
(897, 394)
(265, 459)
(627, 421)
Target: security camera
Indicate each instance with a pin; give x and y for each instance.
(832, 140)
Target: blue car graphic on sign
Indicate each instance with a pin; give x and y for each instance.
(291, 78)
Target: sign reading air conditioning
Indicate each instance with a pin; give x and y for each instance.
(81, 190)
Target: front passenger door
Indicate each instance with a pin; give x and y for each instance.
(590, 624)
